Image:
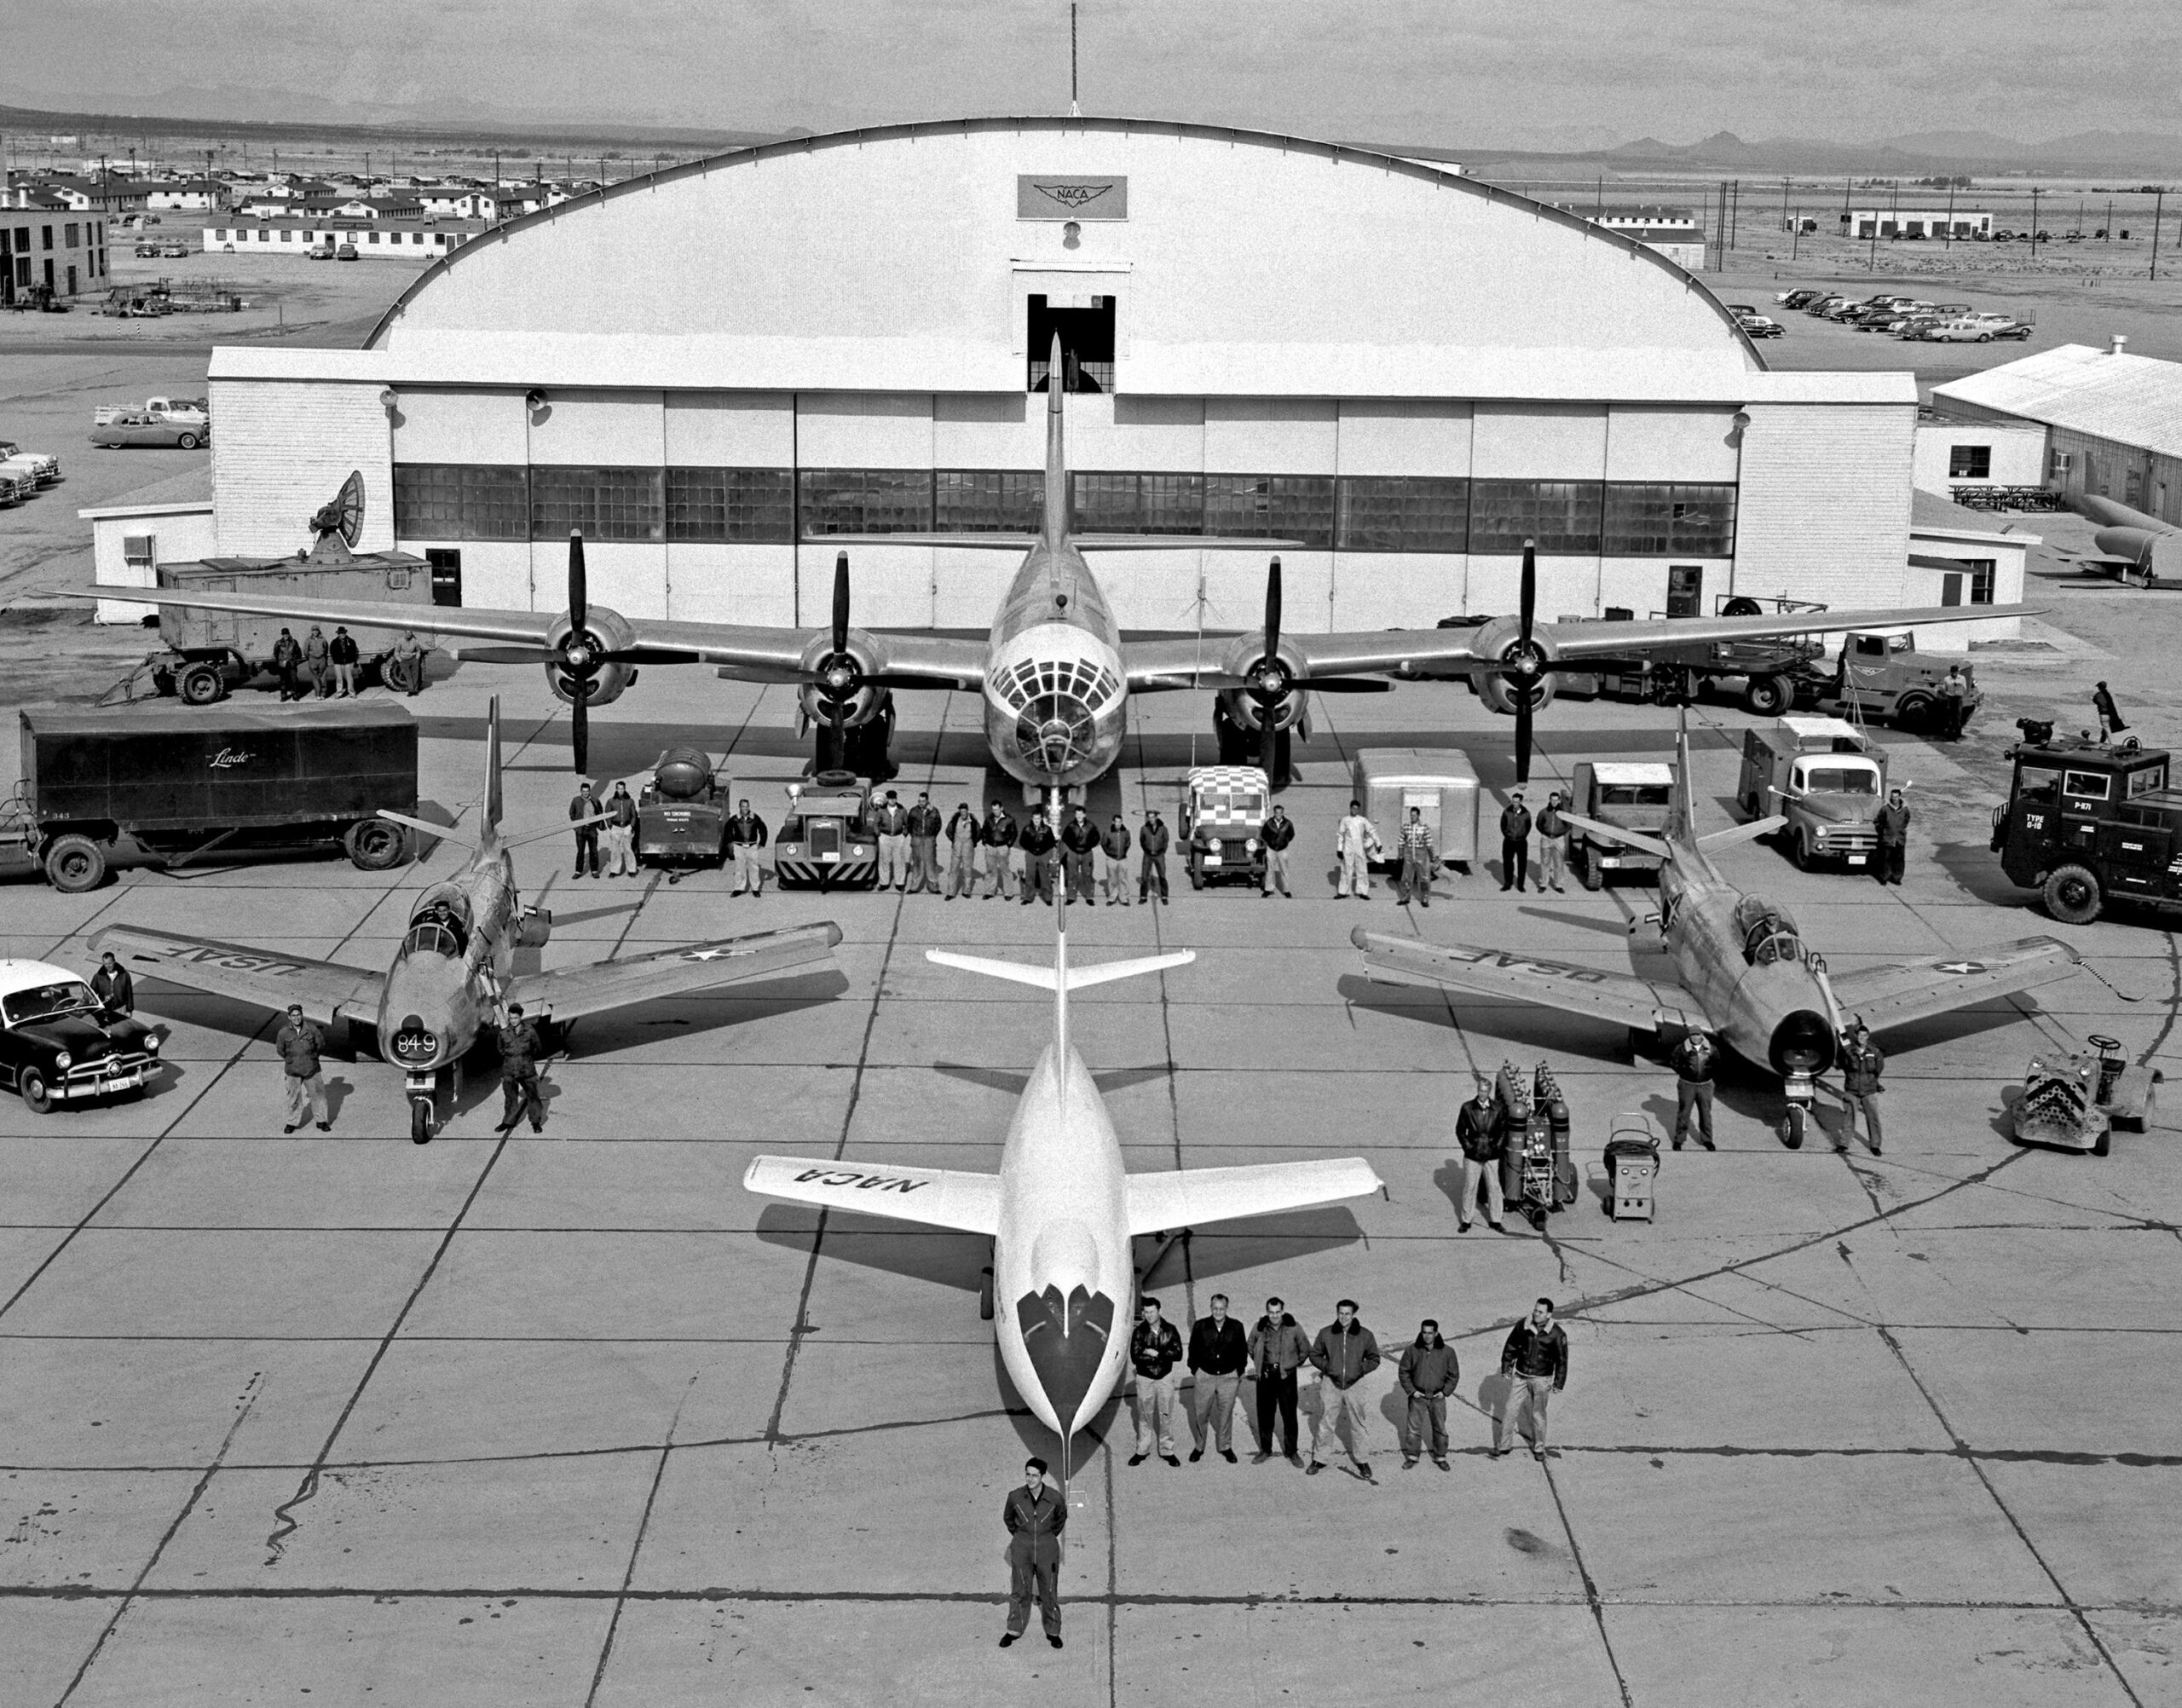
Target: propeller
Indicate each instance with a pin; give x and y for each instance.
(579, 652)
(839, 672)
(1526, 659)
(1270, 679)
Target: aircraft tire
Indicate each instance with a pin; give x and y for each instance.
(420, 1121)
(1792, 1127)
(2071, 894)
(984, 1296)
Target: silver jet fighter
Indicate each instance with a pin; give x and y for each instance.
(454, 974)
(1063, 1212)
(1744, 971)
(1054, 671)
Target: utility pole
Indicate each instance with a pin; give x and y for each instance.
(2034, 222)
(1784, 201)
(2158, 201)
(1734, 210)
(2110, 219)
(1075, 110)
(1948, 235)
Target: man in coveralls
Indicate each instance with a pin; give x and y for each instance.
(520, 1049)
(1035, 1516)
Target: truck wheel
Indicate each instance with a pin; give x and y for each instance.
(1197, 878)
(1805, 856)
(1742, 606)
(188, 441)
(74, 864)
(200, 684)
(2071, 895)
(1589, 873)
(1766, 696)
(373, 845)
(37, 1096)
(1915, 711)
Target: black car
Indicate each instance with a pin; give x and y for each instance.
(59, 1044)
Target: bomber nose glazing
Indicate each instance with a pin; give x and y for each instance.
(1055, 732)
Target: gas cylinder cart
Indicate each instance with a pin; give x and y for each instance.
(1537, 1175)
(2075, 1102)
(682, 814)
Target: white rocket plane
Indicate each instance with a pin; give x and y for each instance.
(1063, 1212)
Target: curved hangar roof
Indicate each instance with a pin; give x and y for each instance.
(900, 259)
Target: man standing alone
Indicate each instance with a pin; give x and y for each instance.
(585, 807)
(1893, 822)
(924, 847)
(1861, 1066)
(621, 831)
(1428, 1373)
(1151, 871)
(1694, 1059)
(1037, 844)
(1478, 1132)
(287, 659)
(1279, 1350)
(1344, 1353)
(1218, 1351)
(113, 987)
(1955, 692)
(1552, 843)
(520, 1049)
(1279, 832)
(893, 826)
(1537, 1357)
(299, 1043)
(1113, 854)
(1003, 859)
(1417, 860)
(315, 663)
(745, 835)
(1515, 842)
(1035, 1516)
(2110, 714)
(342, 651)
(963, 837)
(1080, 837)
(1355, 845)
(1155, 1353)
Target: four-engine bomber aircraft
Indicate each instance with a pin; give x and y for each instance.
(454, 972)
(1054, 671)
(1746, 975)
(1063, 1211)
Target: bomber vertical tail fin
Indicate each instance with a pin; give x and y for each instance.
(1055, 523)
(489, 826)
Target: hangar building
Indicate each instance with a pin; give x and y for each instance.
(710, 370)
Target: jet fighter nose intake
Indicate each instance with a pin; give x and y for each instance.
(1803, 1044)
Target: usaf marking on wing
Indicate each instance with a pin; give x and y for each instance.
(241, 963)
(1516, 963)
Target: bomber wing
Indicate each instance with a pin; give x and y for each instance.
(1188, 1198)
(750, 652)
(936, 1197)
(1203, 662)
(1893, 996)
(570, 993)
(1503, 976)
(327, 990)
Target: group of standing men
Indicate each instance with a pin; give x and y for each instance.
(920, 854)
(328, 668)
(1220, 1354)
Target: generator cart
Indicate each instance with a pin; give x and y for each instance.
(682, 814)
(2075, 1102)
(1537, 1176)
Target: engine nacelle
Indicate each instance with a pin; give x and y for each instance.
(1494, 688)
(608, 632)
(865, 705)
(1245, 713)
(815, 697)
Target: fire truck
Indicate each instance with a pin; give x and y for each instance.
(2086, 824)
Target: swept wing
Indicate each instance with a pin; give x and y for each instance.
(934, 1197)
(1893, 996)
(1188, 1198)
(1502, 976)
(570, 993)
(327, 990)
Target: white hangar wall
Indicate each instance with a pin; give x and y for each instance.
(860, 304)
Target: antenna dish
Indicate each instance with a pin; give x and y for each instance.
(344, 516)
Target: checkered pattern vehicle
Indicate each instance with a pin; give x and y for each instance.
(1224, 808)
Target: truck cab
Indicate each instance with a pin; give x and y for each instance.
(1883, 676)
(1631, 796)
(2084, 824)
(1825, 778)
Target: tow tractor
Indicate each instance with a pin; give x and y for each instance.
(2075, 1102)
(827, 840)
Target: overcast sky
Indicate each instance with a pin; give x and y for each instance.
(1449, 73)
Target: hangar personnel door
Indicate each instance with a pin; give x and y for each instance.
(1087, 343)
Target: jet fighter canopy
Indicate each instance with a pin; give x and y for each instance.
(1767, 930)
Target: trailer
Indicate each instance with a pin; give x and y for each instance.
(1441, 782)
(169, 787)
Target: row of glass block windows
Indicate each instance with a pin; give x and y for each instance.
(1348, 513)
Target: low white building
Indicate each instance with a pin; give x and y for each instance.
(2112, 422)
(1960, 557)
(1955, 454)
(170, 522)
(373, 243)
(1963, 225)
(202, 195)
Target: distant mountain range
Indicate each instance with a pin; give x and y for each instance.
(1922, 154)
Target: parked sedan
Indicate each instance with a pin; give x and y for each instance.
(1800, 299)
(2017, 330)
(1759, 325)
(60, 1044)
(133, 427)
